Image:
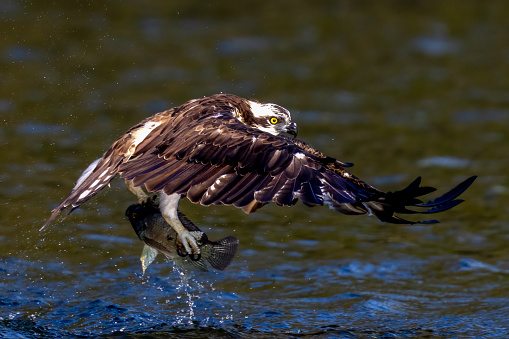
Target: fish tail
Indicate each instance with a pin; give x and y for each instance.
(222, 252)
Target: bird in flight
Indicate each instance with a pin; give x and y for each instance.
(224, 149)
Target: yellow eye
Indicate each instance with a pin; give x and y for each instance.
(273, 120)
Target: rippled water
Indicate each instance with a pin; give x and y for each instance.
(399, 88)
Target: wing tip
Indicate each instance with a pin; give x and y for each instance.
(44, 226)
(52, 217)
(387, 211)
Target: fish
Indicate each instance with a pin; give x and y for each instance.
(160, 238)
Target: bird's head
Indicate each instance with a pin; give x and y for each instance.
(270, 118)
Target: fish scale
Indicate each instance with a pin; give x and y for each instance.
(160, 238)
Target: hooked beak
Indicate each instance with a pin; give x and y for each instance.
(292, 129)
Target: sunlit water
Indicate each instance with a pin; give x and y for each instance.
(400, 89)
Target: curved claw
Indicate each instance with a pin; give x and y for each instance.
(195, 257)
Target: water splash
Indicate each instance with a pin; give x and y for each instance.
(189, 290)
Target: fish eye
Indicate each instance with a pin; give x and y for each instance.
(136, 212)
(273, 120)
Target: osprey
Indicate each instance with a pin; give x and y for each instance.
(224, 149)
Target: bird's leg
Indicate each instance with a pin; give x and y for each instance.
(168, 206)
(140, 193)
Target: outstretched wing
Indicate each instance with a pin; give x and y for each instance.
(222, 161)
(219, 160)
(200, 150)
(100, 173)
(97, 175)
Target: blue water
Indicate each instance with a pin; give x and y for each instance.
(402, 296)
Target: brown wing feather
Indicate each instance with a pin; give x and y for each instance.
(217, 160)
(94, 178)
(259, 167)
(200, 150)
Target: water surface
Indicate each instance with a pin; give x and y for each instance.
(401, 89)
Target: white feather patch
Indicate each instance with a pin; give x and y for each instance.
(270, 130)
(141, 133)
(95, 183)
(260, 110)
(84, 194)
(86, 174)
(217, 182)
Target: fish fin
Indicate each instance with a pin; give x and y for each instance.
(191, 265)
(223, 252)
(188, 224)
(147, 257)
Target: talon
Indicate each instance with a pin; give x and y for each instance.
(195, 257)
(180, 253)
